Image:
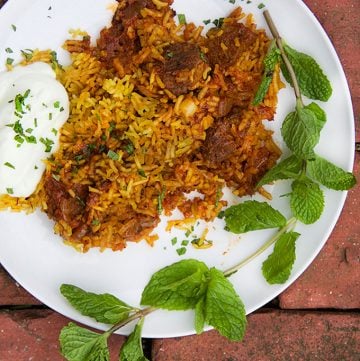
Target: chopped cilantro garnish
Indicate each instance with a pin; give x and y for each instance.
(57, 104)
(9, 61)
(35, 122)
(95, 222)
(48, 144)
(10, 190)
(9, 50)
(232, 1)
(7, 164)
(53, 130)
(13, 27)
(181, 251)
(31, 139)
(129, 148)
(218, 22)
(29, 130)
(142, 173)
(182, 19)
(36, 167)
(174, 241)
(113, 155)
(27, 54)
(261, 6)
(206, 22)
(185, 242)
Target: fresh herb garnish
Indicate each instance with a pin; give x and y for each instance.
(181, 251)
(48, 144)
(113, 155)
(9, 61)
(7, 164)
(9, 50)
(10, 190)
(13, 27)
(182, 19)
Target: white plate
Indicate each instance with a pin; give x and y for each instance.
(39, 260)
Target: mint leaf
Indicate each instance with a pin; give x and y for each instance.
(312, 81)
(301, 133)
(320, 115)
(200, 316)
(223, 307)
(103, 308)
(178, 286)
(80, 344)
(330, 175)
(288, 168)
(270, 61)
(306, 200)
(277, 268)
(132, 348)
(251, 216)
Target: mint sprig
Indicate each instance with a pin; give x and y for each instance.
(191, 284)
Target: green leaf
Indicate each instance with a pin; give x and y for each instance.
(271, 59)
(288, 168)
(320, 115)
(251, 216)
(312, 81)
(330, 175)
(224, 308)
(80, 344)
(301, 132)
(104, 308)
(200, 316)
(132, 349)
(178, 286)
(277, 268)
(306, 200)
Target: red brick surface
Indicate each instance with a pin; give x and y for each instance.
(13, 294)
(32, 335)
(273, 336)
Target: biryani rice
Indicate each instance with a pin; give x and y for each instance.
(135, 146)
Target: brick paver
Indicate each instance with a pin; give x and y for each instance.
(273, 336)
(32, 335)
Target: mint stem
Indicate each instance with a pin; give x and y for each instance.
(279, 43)
(139, 314)
(289, 225)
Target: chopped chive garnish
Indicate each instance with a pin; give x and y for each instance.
(182, 19)
(113, 155)
(50, 116)
(7, 164)
(9, 190)
(35, 122)
(13, 27)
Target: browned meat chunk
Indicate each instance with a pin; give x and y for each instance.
(220, 143)
(183, 68)
(61, 205)
(137, 227)
(226, 48)
(131, 12)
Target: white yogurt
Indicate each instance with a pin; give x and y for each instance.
(33, 108)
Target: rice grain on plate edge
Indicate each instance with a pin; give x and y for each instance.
(157, 110)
